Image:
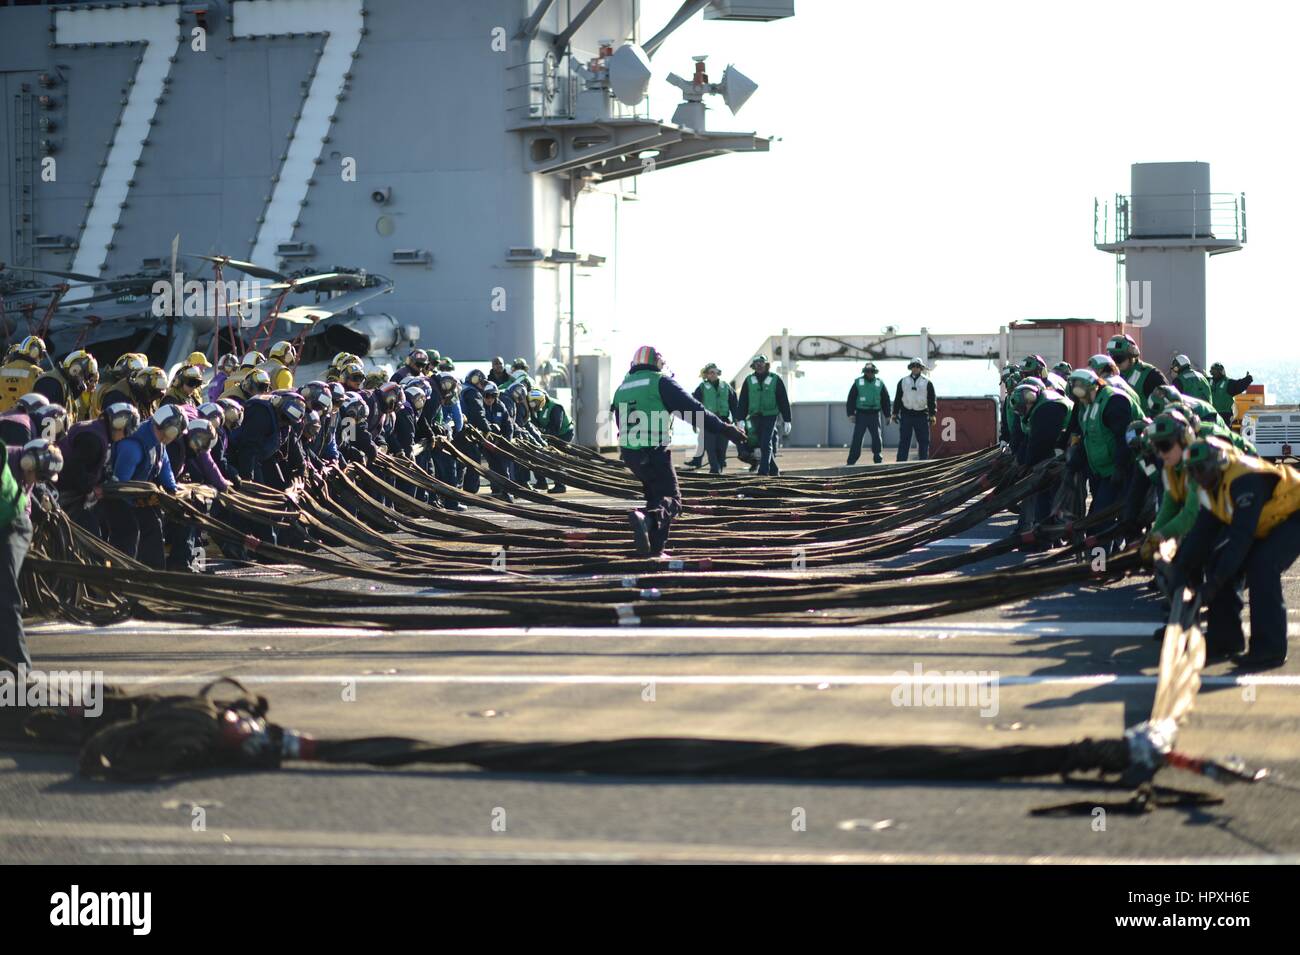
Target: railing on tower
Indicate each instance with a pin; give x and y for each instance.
(1218, 216)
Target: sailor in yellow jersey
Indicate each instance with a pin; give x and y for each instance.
(1246, 534)
(21, 370)
(279, 365)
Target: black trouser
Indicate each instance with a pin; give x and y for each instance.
(14, 542)
(150, 551)
(447, 470)
(909, 423)
(87, 518)
(1105, 492)
(715, 446)
(653, 467)
(123, 530)
(767, 434)
(1261, 574)
(863, 422)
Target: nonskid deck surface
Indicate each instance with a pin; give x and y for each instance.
(1051, 669)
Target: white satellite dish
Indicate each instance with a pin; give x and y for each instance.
(736, 89)
(629, 74)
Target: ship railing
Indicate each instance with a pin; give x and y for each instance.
(542, 90)
(1219, 216)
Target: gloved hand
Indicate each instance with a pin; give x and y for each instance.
(785, 432)
(930, 418)
(1148, 549)
(236, 481)
(737, 435)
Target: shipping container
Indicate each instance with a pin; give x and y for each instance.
(963, 425)
(1073, 339)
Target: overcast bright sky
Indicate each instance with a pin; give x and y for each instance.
(938, 166)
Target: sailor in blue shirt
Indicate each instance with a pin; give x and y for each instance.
(136, 528)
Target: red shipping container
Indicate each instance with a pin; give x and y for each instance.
(963, 425)
(1081, 338)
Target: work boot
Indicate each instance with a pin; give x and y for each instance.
(877, 459)
(1252, 662)
(558, 488)
(694, 463)
(640, 533)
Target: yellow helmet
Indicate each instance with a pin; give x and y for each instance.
(198, 360)
(132, 361)
(32, 348)
(375, 378)
(351, 370)
(227, 363)
(152, 380)
(81, 364)
(343, 358)
(252, 360)
(256, 382)
(283, 353)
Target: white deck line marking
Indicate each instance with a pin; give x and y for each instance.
(162, 840)
(963, 542)
(897, 678)
(1083, 628)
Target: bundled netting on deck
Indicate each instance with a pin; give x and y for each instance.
(741, 553)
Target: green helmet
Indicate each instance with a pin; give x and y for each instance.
(1218, 371)
(1121, 347)
(1206, 460)
(1170, 427)
(1063, 368)
(1164, 396)
(1034, 365)
(1103, 365)
(758, 360)
(1192, 417)
(1083, 381)
(1025, 394)
(870, 367)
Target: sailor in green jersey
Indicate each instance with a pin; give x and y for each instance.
(1168, 436)
(644, 407)
(1104, 415)
(764, 401)
(550, 418)
(1187, 379)
(718, 397)
(868, 399)
(1142, 376)
(1223, 389)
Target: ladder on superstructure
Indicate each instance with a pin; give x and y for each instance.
(23, 203)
